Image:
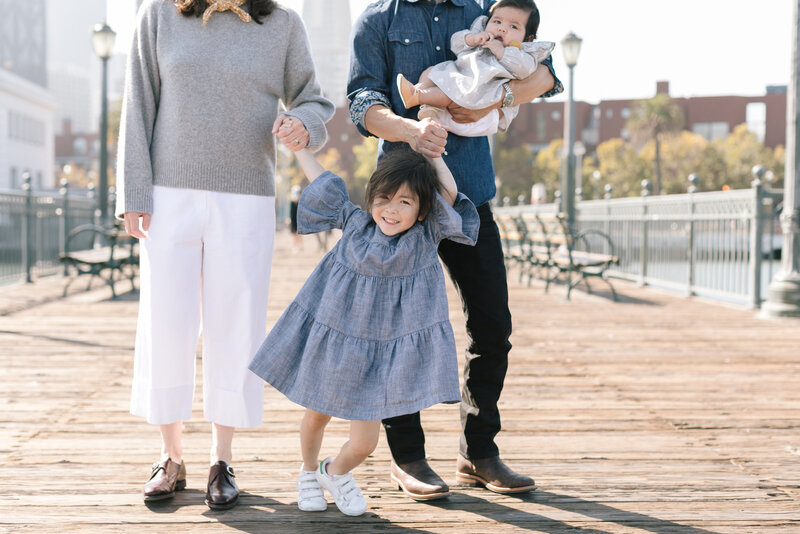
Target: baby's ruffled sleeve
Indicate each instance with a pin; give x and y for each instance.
(459, 222)
(324, 205)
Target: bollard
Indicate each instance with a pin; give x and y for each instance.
(520, 200)
(609, 192)
(64, 191)
(27, 227)
(506, 201)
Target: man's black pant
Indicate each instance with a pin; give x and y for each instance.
(479, 275)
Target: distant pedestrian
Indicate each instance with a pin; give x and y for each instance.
(368, 336)
(196, 184)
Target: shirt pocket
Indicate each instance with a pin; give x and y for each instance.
(409, 52)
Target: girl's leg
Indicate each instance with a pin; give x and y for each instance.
(171, 446)
(312, 428)
(362, 442)
(221, 441)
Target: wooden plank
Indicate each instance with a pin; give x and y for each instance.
(657, 414)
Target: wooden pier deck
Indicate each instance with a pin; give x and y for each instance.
(657, 414)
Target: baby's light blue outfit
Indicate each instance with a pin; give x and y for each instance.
(369, 336)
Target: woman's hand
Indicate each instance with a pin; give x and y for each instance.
(291, 132)
(132, 226)
(427, 137)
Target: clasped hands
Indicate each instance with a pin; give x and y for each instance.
(291, 132)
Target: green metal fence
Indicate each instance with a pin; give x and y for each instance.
(33, 229)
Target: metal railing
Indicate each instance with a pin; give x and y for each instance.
(720, 245)
(34, 228)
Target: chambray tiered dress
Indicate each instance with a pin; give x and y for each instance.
(368, 336)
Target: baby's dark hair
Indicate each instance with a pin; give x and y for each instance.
(532, 27)
(404, 167)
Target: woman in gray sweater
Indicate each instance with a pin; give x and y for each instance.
(196, 183)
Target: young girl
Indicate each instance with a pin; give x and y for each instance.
(368, 336)
(489, 55)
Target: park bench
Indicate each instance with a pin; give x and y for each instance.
(108, 253)
(552, 251)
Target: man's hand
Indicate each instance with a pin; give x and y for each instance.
(427, 137)
(132, 223)
(464, 115)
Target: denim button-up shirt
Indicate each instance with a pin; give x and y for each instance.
(408, 36)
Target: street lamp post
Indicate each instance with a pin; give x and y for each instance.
(571, 47)
(103, 38)
(783, 295)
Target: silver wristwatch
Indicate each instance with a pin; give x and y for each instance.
(508, 96)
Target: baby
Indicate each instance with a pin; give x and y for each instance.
(489, 55)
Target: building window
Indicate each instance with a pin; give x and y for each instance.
(625, 134)
(756, 118)
(80, 146)
(711, 130)
(555, 115)
(625, 113)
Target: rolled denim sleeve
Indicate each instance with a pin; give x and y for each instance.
(361, 103)
(558, 87)
(369, 78)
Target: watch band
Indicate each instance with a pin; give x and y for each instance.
(508, 96)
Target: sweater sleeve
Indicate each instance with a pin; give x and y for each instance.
(302, 93)
(139, 108)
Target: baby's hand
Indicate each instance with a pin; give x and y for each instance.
(496, 47)
(478, 39)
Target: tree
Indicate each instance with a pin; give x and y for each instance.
(682, 154)
(652, 119)
(366, 155)
(622, 167)
(547, 167)
(514, 168)
(741, 151)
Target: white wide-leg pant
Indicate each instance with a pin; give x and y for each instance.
(205, 266)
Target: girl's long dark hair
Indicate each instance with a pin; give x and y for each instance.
(258, 9)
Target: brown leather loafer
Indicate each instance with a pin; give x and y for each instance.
(167, 478)
(419, 481)
(222, 492)
(493, 474)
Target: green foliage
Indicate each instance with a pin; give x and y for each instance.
(366, 155)
(622, 167)
(513, 167)
(651, 119)
(547, 167)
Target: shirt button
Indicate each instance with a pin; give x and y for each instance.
(406, 41)
(438, 48)
(436, 19)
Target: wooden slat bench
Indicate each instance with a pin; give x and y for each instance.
(106, 253)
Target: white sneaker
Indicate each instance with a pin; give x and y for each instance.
(309, 492)
(343, 489)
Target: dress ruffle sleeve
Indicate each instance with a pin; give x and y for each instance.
(459, 222)
(324, 205)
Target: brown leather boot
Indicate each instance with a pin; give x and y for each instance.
(419, 481)
(493, 474)
(222, 492)
(166, 478)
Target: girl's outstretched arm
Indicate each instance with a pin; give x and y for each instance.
(311, 167)
(447, 184)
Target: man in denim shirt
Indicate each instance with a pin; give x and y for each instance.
(407, 36)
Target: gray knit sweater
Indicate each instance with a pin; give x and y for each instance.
(200, 102)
